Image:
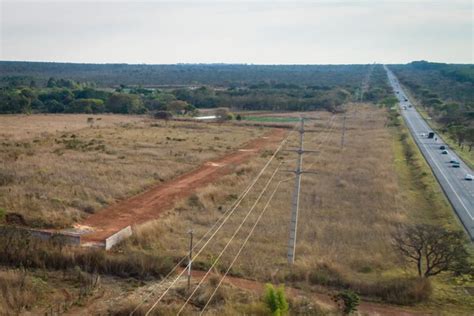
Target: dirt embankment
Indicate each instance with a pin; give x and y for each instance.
(150, 204)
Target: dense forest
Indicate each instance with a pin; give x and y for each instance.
(24, 88)
(446, 91)
(223, 75)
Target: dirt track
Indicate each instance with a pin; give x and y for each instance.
(150, 204)
(324, 300)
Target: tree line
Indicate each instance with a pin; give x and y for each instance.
(68, 96)
(223, 75)
(446, 91)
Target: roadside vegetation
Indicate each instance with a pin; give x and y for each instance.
(365, 207)
(445, 95)
(357, 201)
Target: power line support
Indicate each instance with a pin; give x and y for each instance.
(296, 193)
(190, 258)
(296, 199)
(343, 131)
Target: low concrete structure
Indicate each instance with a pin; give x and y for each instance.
(72, 239)
(118, 237)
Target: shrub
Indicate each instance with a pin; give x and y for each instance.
(6, 177)
(327, 276)
(20, 249)
(162, 115)
(17, 292)
(275, 300)
(2, 214)
(348, 301)
(398, 291)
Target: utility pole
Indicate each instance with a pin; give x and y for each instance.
(343, 131)
(296, 195)
(190, 258)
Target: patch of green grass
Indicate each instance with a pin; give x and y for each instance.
(270, 119)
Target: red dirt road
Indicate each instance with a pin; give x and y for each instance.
(150, 204)
(324, 300)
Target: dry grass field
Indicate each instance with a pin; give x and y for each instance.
(348, 211)
(56, 169)
(349, 208)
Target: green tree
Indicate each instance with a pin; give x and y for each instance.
(125, 104)
(275, 300)
(348, 301)
(389, 101)
(458, 132)
(178, 107)
(85, 106)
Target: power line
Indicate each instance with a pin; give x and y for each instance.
(220, 226)
(230, 210)
(244, 243)
(231, 238)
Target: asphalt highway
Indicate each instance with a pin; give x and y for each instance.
(459, 191)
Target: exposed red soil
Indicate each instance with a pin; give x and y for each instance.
(323, 300)
(150, 204)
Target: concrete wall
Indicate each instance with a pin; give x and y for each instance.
(45, 235)
(118, 237)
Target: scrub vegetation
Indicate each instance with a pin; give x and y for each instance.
(362, 194)
(57, 169)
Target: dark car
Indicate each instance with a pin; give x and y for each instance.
(455, 165)
(442, 147)
(444, 152)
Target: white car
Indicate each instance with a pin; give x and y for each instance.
(469, 177)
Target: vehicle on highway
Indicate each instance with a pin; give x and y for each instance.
(444, 152)
(431, 135)
(453, 160)
(442, 147)
(469, 177)
(409, 105)
(455, 165)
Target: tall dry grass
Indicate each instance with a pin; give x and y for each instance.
(17, 292)
(54, 175)
(347, 213)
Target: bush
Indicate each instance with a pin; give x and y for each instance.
(162, 115)
(327, 276)
(275, 300)
(2, 214)
(17, 292)
(348, 301)
(20, 249)
(6, 177)
(398, 291)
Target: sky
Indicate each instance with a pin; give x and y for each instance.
(253, 32)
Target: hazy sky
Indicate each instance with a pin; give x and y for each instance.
(259, 32)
